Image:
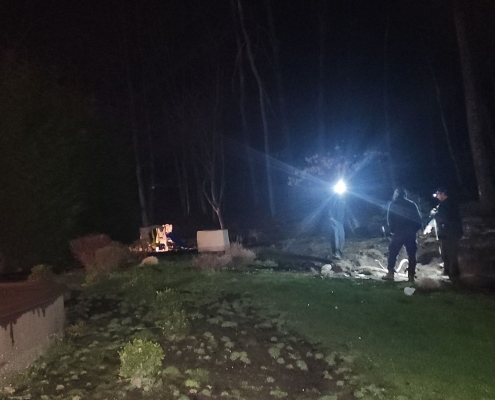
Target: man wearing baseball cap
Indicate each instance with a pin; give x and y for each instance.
(449, 229)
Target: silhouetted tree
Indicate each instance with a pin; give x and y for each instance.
(262, 104)
(477, 124)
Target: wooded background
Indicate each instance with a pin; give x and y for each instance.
(120, 114)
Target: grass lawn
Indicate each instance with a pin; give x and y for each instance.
(437, 345)
(427, 346)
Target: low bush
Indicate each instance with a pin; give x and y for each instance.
(140, 362)
(94, 278)
(234, 257)
(140, 287)
(168, 299)
(169, 316)
(84, 248)
(174, 324)
(109, 285)
(107, 260)
(197, 377)
(41, 272)
(240, 255)
(111, 258)
(212, 261)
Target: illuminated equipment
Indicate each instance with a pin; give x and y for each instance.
(340, 187)
(156, 238)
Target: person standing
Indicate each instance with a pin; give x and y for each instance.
(337, 218)
(449, 229)
(404, 221)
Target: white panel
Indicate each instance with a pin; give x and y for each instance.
(217, 240)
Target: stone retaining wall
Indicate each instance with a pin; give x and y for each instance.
(31, 314)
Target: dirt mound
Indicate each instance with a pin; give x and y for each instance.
(363, 258)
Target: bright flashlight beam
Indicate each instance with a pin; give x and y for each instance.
(340, 187)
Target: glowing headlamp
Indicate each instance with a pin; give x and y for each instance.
(340, 187)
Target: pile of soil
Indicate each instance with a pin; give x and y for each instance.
(366, 258)
(363, 258)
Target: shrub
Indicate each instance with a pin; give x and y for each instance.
(212, 261)
(169, 316)
(140, 362)
(107, 259)
(94, 278)
(174, 324)
(111, 258)
(199, 375)
(235, 256)
(57, 349)
(168, 299)
(140, 287)
(111, 285)
(240, 255)
(84, 248)
(41, 272)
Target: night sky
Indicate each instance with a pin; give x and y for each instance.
(174, 50)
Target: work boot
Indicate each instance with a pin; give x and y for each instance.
(388, 277)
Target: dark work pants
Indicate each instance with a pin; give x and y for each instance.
(449, 256)
(398, 240)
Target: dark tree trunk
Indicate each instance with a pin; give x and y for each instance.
(264, 118)
(199, 190)
(444, 125)
(135, 138)
(478, 136)
(144, 83)
(187, 200)
(242, 108)
(278, 78)
(388, 134)
(181, 182)
(321, 73)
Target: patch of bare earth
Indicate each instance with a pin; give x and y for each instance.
(254, 357)
(245, 354)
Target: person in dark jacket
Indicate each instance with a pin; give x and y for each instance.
(449, 230)
(404, 221)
